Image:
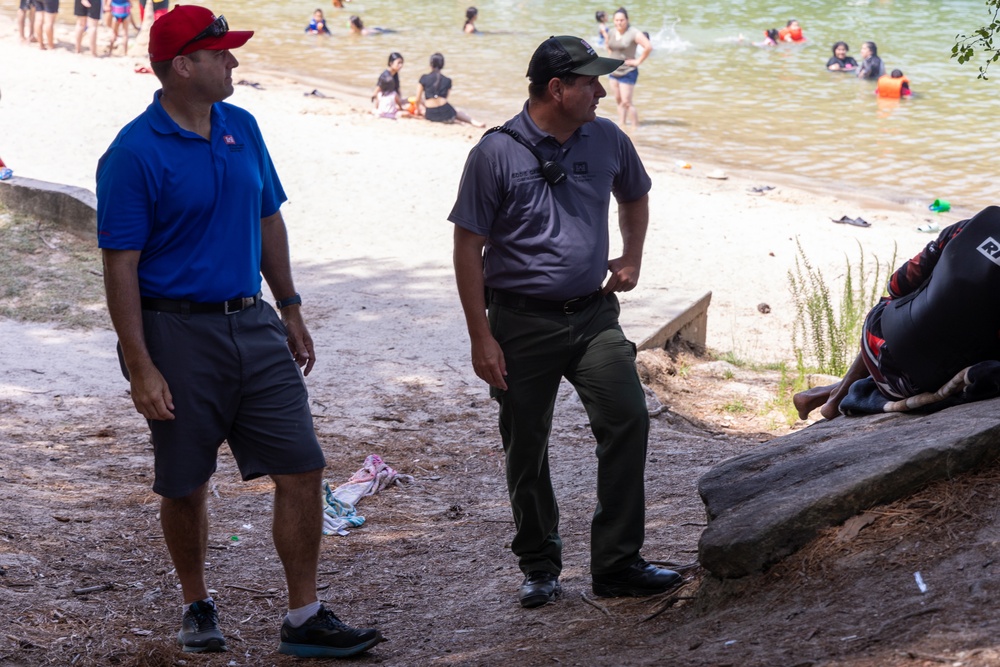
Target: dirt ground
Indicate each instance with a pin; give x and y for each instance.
(85, 578)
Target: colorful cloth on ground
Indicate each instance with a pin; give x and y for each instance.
(339, 511)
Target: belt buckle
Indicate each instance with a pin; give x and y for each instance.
(237, 307)
(568, 308)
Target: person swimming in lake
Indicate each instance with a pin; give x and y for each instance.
(770, 38)
(871, 66)
(317, 26)
(840, 61)
(358, 27)
(791, 33)
(893, 86)
(432, 96)
(471, 14)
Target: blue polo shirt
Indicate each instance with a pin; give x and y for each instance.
(192, 206)
(549, 242)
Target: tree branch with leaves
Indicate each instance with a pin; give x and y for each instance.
(982, 40)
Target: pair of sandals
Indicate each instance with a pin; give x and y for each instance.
(857, 222)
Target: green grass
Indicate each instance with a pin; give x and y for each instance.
(827, 327)
(49, 275)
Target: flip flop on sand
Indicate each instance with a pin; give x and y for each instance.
(760, 189)
(142, 69)
(929, 228)
(857, 222)
(252, 84)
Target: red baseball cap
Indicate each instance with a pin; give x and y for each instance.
(188, 28)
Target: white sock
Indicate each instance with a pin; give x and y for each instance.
(208, 600)
(296, 617)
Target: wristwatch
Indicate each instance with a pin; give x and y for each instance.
(294, 300)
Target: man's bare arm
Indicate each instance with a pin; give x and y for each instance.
(150, 392)
(633, 220)
(487, 357)
(276, 267)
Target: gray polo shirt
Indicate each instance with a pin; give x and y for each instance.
(549, 242)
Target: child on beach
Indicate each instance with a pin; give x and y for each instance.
(387, 99)
(121, 11)
(317, 26)
(602, 27)
(394, 64)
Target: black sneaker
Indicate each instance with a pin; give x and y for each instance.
(199, 631)
(637, 580)
(326, 636)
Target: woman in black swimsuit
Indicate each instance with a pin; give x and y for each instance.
(432, 96)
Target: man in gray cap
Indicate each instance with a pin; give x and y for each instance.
(540, 305)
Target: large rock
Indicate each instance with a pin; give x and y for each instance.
(75, 209)
(764, 505)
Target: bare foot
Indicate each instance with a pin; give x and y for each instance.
(830, 409)
(810, 399)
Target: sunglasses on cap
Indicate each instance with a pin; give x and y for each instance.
(216, 28)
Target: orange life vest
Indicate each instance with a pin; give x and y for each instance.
(795, 35)
(890, 87)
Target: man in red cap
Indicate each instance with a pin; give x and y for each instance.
(189, 222)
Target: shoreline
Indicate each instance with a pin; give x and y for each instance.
(369, 199)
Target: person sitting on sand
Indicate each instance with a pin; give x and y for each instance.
(358, 27)
(432, 96)
(470, 21)
(387, 99)
(792, 33)
(317, 25)
(840, 61)
(393, 66)
(871, 66)
(893, 86)
(940, 317)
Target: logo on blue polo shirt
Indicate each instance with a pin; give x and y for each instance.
(231, 142)
(580, 168)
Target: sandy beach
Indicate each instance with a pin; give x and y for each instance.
(368, 199)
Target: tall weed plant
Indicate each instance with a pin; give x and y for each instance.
(828, 321)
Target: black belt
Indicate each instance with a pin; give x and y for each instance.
(175, 306)
(568, 307)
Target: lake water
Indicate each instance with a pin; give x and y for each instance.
(703, 97)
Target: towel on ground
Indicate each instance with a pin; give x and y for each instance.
(339, 511)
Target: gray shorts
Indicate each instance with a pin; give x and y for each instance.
(232, 378)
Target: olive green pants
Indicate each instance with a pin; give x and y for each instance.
(588, 349)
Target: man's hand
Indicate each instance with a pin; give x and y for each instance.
(300, 343)
(488, 362)
(624, 276)
(150, 393)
